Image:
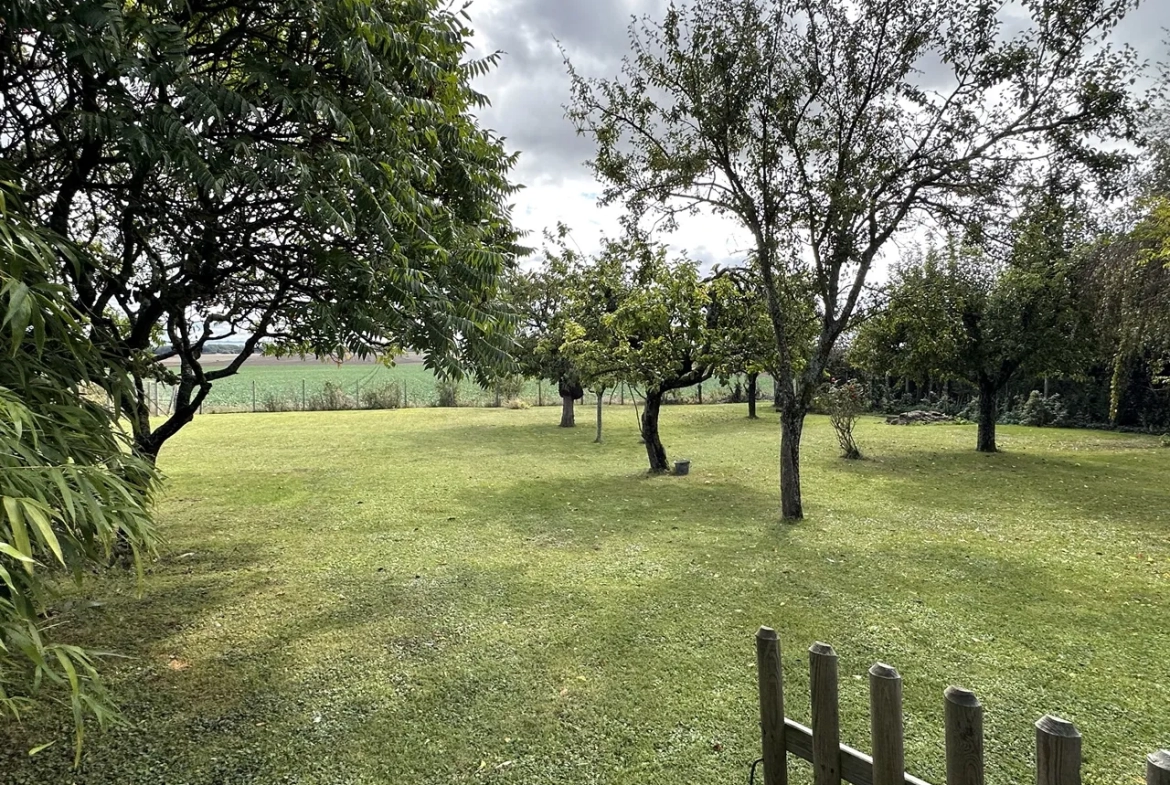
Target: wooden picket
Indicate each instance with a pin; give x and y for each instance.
(1058, 742)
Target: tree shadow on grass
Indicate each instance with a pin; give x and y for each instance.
(968, 481)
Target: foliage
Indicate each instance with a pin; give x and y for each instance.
(446, 393)
(387, 395)
(1130, 287)
(306, 173)
(843, 401)
(540, 298)
(331, 398)
(69, 487)
(645, 320)
(812, 124)
(956, 314)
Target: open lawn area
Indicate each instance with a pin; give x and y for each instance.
(475, 595)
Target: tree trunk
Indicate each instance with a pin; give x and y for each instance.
(987, 417)
(600, 393)
(654, 449)
(791, 428)
(569, 391)
(752, 381)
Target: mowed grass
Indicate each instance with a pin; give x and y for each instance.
(467, 596)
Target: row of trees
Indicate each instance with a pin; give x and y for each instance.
(814, 126)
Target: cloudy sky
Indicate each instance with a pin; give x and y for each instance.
(530, 89)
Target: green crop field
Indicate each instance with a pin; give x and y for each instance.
(477, 596)
(267, 384)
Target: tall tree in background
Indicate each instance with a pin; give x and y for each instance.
(814, 125)
(306, 173)
(956, 314)
(69, 486)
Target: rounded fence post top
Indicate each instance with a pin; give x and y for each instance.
(883, 671)
(1159, 760)
(960, 696)
(766, 633)
(822, 649)
(1055, 726)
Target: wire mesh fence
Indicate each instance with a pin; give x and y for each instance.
(279, 390)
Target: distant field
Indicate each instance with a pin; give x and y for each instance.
(269, 384)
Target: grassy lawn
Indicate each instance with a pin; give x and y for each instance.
(429, 596)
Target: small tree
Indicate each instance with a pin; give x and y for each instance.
(540, 299)
(956, 314)
(657, 325)
(843, 402)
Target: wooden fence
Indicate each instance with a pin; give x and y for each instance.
(1058, 743)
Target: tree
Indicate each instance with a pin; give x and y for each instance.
(69, 486)
(955, 314)
(748, 346)
(815, 126)
(540, 299)
(306, 175)
(1130, 288)
(656, 325)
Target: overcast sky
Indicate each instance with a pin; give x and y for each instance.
(530, 89)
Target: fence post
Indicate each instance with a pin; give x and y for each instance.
(963, 718)
(826, 718)
(253, 395)
(885, 723)
(1058, 752)
(771, 679)
(1158, 768)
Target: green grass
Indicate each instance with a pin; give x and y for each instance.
(431, 596)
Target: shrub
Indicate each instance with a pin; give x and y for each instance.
(386, 396)
(1041, 411)
(447, 393)
(509, 388)
(274, 403)
(517, 403)
(843, 402)
(331, 398)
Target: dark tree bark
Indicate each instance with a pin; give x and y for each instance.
(570, 391)
(987, 416)
(791, 426)
(752, 384)
(654, 449)
(600, 394)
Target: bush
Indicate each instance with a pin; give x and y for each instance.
(509, 388)
(517, 403)
(331, 398)
(387, 396)
(1041, 411)
(274, 403)
(843, 402)
(447, 393)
